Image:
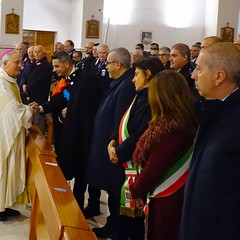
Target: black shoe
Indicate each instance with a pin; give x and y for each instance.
(101, 232)
(3, 217)
(12, 212)
(91, 212)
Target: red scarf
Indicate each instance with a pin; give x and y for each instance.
(150, 137)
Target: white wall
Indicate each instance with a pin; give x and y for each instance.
(211, 17)
(48, 15)
(95, 8)
(171, 21)
(161, 17)
(10, 40)
(75, 22)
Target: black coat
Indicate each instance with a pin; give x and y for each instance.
(101, 172)
(87, 62)
(186, 71)
(139, 117)
(212, 193)
(39, 81)
(101, 74)
(74, 140)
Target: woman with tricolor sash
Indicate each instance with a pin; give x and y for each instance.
(163, 154)
(122, 145)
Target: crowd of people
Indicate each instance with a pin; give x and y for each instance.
(158, 131)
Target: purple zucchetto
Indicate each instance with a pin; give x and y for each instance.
(5, 52)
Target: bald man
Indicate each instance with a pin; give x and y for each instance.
(211, 207)
(87, 61)
(37, 86)
(210, 40)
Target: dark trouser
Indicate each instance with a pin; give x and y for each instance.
(114, 195)
(111, 225)
(94, 197)
(79, 191)
(131, 228)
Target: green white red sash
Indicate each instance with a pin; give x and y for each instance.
(123, 131)
(173, 180)
(175, 177)
(127, 204)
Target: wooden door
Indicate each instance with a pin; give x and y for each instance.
(44, 38)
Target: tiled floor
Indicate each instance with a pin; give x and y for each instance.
(18, 228)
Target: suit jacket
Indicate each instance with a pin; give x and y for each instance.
(86, 62)
(39, 81)
(101, 172)
(186, 71)
(212, 194)
(99, 70)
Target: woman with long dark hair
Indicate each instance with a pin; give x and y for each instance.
(163, 152)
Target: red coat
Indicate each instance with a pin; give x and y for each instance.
(164, 213)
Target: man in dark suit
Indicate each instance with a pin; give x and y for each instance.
(180, 62)
(78, 92)
(37, 85)
(99, 69)
(164, 56)
(101, 172)
(87, 61)
(211, 207)
(69, 47)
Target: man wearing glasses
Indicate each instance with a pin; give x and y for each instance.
(164, 56)
(101, 172)
(88, 60)
(15, 119)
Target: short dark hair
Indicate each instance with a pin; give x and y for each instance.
(196, 46)
(157, 46)
(62, 56)
(26, 44)
(70, 42)
(140, 45)
(79, 53)
(154, 65)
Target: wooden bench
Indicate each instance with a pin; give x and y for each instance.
(55, 213)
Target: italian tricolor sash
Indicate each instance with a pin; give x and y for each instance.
(173, 180)
(127, 206)
(123, 131)
(175, 177)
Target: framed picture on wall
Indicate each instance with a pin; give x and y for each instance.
(92, 29)
(227, 34)
(146, 37)
(12, 23)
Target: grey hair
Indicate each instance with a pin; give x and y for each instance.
(167, 49)
(225, 56)
(121, 55)
(7, 56)
(102, 45)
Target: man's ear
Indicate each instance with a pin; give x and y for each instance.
(185, 57)
(67, 63)
(220, 76)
